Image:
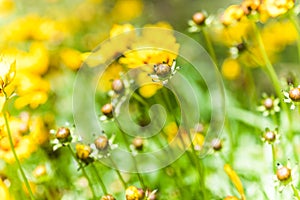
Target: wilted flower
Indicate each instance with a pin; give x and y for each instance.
(270, 136)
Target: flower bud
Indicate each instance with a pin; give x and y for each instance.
(108, 197)
(294, 94)
(199, 18)
(63, 134)
(101, 143)
(283, 173)
(83, 151)
(117, 86)
(107, 109)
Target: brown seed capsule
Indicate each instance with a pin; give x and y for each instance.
(101, 142)
(108, 197)
(199, 18)
(216, 144)
(268, 103)
(294, 94)
(83, 151)
(63, 134)
(107, 109)
(162, 70)
(270, 136)
(283, 173)
(118, 86)
(138, 143)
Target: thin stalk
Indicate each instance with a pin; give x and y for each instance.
(99, 179)
(14, 152)
(296, 192)
(141, 180)
(118, 173)
(272, 74)
(140, 99)
(274, 157)
(84, 173)
(209, 45)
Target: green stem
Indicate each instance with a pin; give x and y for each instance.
(84, 173)
(209, 45)
(14, 152)
(272, 74)
(118, 173)
(140, 99)
(274, 158)
(141, 180)
(99, 179)
(296, 192)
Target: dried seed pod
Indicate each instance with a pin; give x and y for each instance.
(63, 134)
(138, 143)
(107, 109)
(118, 86)
(216, 144)
(199, 18)
(162, 70)
(101, 143)
(283, 173)
(294, 94)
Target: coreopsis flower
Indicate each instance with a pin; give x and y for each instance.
(133, 193)
(235, 180)
(29, 85)
(4, 192)
(34, 27)
(269, 105)
(164, 48)
(231, 69)
(275, 8)
(7, 72)
(27, 135)
(292, 96)
(6, 7)
(232, 14)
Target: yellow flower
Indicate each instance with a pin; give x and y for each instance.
(6, 6)
(120, 29)
(125, 10)
(235, 180)
(30, 87)
(274, 8)
(231, 68)
(232, 14)
(148, 90)
(163, 48)
(4, 193)
(34, 27)
(234, 33)
(276, 36)
(111, 73)
(72, 58)
(7, 72)
(27, 133)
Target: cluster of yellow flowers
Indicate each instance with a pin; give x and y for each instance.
(136, 53)
(238, 33)
(265, 9)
